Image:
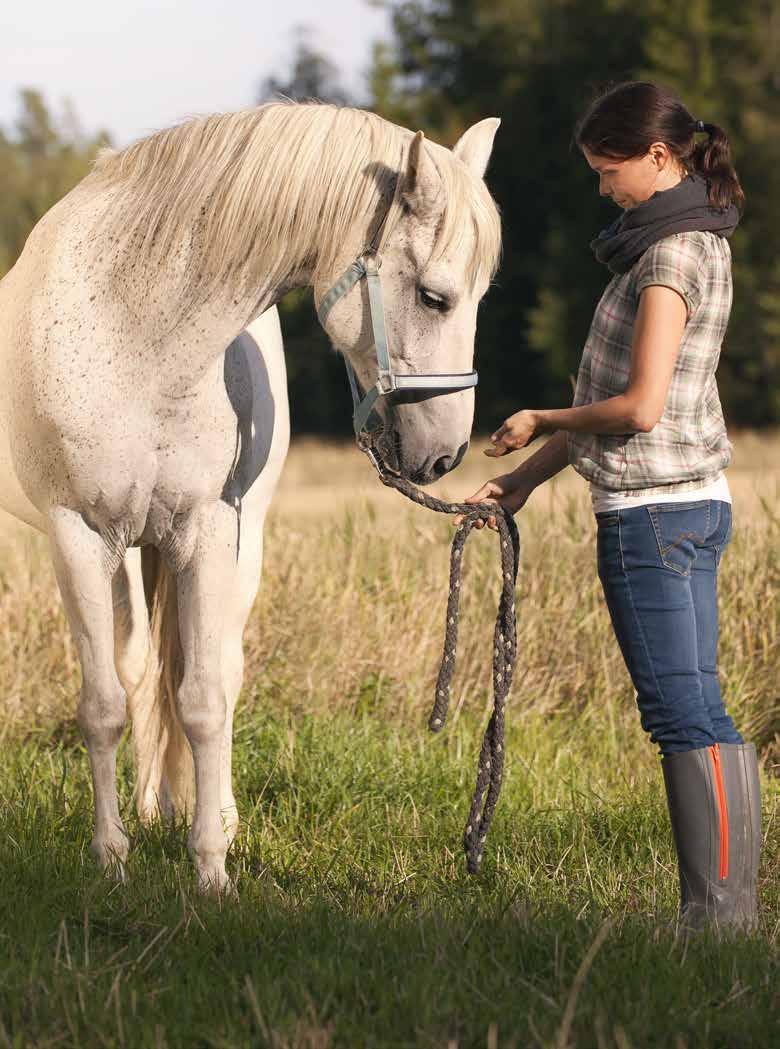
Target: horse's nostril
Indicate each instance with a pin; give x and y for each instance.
(442, 465)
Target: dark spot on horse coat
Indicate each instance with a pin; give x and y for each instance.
(249, 391)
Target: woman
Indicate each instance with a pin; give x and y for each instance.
(646, 430)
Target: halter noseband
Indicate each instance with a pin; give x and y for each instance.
(388, 381)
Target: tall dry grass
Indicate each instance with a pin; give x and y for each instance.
(351, 607)
(356, 922)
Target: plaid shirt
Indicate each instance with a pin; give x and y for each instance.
(688, 447)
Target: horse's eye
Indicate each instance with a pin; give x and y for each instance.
(433, 301)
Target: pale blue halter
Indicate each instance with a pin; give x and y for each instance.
(388, 381)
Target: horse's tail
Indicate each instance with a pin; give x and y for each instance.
(165, 772)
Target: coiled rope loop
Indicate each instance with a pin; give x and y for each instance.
(491, 757)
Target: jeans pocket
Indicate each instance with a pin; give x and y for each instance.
(679, 528)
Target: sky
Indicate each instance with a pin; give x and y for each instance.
(134, 66)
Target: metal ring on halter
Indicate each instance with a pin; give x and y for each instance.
(370, 255)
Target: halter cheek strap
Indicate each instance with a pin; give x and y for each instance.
(364, 418)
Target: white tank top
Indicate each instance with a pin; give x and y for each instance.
(602, 499)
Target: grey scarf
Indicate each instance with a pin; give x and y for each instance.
(681, 209)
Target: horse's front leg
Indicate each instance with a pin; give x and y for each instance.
(84, 565)
(204, 586)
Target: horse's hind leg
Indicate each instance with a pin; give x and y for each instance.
(84, 566)
(204, 586)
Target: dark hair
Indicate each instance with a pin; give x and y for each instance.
(624, 120)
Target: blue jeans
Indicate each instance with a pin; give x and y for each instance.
(658, 565)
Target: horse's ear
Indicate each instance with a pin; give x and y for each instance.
(422, 184)
(475, 145)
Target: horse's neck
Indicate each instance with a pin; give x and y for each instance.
(189, 348)
(180, 343)
(173, 345)
(182, 356)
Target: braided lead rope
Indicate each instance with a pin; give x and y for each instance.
(491, 757)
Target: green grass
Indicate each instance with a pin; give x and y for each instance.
(356, 923)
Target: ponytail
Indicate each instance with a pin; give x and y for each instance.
(712, 160)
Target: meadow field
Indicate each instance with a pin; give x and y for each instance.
(356, 922)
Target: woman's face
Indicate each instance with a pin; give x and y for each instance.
(629, 182)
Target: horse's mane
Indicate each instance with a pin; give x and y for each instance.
(248, 196)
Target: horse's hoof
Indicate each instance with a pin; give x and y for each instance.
(111, 856)
(214, 881)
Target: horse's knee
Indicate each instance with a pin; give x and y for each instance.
(101, 713)
(202, 708)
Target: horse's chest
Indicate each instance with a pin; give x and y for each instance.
(139, 464)
(116, 453)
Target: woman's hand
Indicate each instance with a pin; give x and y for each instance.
(515, 432)
(509, 490)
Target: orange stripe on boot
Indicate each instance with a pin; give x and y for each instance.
(723, 812)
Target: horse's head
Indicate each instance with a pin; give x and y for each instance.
(434, 264)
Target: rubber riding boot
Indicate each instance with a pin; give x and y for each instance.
(714, 805)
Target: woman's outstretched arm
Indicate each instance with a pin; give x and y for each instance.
(549, 460)
(658, 329)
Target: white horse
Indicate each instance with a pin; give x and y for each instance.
(148, 453)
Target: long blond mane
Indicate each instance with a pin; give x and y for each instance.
(247, 198)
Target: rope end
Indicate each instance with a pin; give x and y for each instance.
(473, 862)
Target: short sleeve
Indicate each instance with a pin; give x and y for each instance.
(676, 262)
